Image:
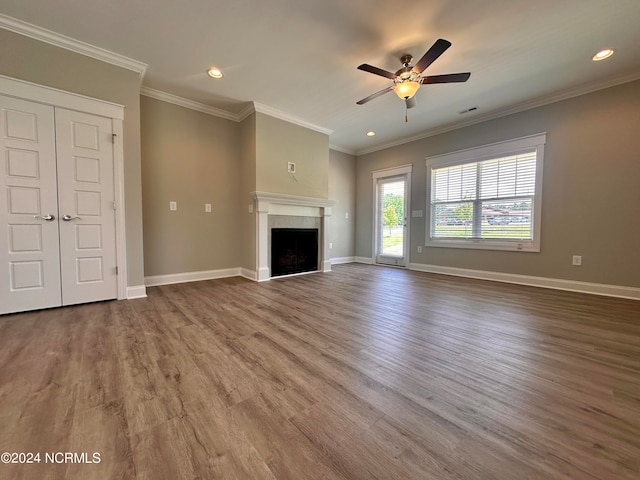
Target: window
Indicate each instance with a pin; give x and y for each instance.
(487, 197)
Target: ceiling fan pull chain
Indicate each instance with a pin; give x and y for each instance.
(406, 113)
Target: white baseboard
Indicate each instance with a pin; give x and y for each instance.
(544, 282)
(137, 291)
(246, 273)
(339, 260)
(367, 260)
(263, 274)
(156, 280)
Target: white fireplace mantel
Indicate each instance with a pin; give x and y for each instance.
(280, 204)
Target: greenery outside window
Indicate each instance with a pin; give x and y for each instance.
(487, 197)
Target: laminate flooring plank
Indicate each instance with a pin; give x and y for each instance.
(103, 431)
(359, 373)
(336, 436)
(286, 450)
(197, 446)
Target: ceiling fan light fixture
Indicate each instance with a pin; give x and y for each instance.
(407, 83)
(406, 89)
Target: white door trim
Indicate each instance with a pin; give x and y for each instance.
(121, 237)
(73, 101)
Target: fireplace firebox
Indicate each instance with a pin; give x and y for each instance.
(293, 250)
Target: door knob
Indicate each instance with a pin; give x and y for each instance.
(48, 218)
(68, 218)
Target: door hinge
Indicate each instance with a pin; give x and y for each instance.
(113, 137)
(116, 270)
(115, 205)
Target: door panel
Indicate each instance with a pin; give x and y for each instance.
(29, 253)
(87, 216)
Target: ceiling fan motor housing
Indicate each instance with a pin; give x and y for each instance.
(406, 59)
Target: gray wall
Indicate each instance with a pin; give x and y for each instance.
(279, 142)
(38, 62)
(342, 189)
(591, 191)
(191, 158)
(194, 158)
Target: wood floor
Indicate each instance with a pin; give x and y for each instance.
(361, 373)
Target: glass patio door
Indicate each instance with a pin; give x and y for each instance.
(391, 220)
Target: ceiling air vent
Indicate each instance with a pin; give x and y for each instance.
(467, 110)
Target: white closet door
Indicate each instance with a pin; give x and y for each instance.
(86, 205)
(29, 254)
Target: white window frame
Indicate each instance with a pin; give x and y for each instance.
(486, 152)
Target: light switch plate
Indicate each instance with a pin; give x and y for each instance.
(173, 206)
(416, 213)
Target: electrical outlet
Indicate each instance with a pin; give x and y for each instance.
(419, 248)
(207, 208)
(346, 215)
(577, 260)
(250, 208)
(173, 206)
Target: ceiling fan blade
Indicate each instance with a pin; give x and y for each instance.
(411, 102)
(375, 95)
(448, 78)
(432, 55)
(377, 71)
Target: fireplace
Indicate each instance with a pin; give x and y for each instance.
(276, 210)
(293, 250)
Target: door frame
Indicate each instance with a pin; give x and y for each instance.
(403, 170)
(33, 92)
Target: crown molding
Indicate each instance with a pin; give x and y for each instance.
(520, 107)
(272, 112)
(68, 43)
(185, 102)
(246, 112)
(341, 149)
(236, 117)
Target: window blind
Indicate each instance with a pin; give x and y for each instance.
(491, 198)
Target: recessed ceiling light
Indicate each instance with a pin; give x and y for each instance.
(602, 54)
(215, 72)
(370, 133)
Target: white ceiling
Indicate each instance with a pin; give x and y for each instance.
(299, 57)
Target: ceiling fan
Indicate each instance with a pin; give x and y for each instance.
(408, 79)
